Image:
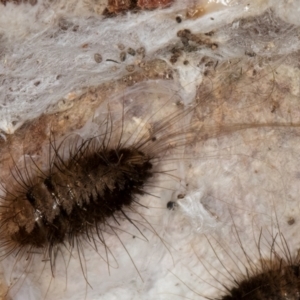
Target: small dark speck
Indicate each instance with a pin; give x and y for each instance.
(171, 205)
(37, 83)
(178, 19)
(153, 139)
(291, 221)
(64, 24)
(58, 76)
(121, 46)
(98, 58)
(186, 62)
(211, 33)
(209, 64)
(133, 236)
(141, 51)
(179, 103)
(180, 196)
(250, 53)
(131, 51)
(173, 59)
(122, 56)
(214, 46)
(130, 68)
(212, 19)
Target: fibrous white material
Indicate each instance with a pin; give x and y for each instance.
(48, 49)
(238, 62)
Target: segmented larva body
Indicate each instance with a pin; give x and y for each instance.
(279, 282)
(87, 185)
(74, 197)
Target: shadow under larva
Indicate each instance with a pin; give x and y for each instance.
(76, 196)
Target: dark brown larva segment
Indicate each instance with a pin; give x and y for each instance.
(281, 283)
(87, 187)
(272, 277)
(73, 198)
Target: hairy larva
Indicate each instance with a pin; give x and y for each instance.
(87, 187)
(274, 274)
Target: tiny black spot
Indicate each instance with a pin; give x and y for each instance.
(130, 68)
(122, 56)
(37, 83)
(291, 221)
(64, 24)
(171, 205)
(173, 59)
(211, 33)
(209, 63)
(180, 196)
(180, 103)
(141, 51)
(98, 58)
(214, 46)
(121, 46)
(250, 53)
(178, 19)
(131, 51)
(183, 33)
